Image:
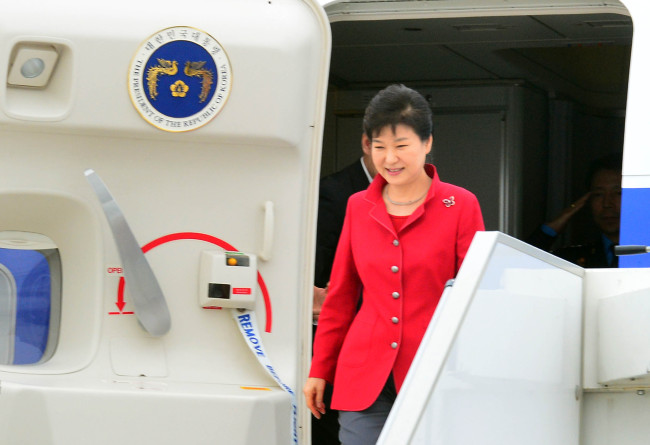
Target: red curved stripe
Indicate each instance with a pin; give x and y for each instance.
(213, 240)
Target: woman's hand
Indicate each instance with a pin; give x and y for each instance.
(313, 390)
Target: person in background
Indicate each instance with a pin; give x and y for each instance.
(402, 239)
(604, 202)
(335, 190)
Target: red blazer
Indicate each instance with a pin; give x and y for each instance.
(402, 276)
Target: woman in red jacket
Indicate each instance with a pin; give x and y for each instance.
(402, 239)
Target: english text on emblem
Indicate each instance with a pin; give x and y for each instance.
(179, 79)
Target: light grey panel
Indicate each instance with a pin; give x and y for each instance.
(433, 62)
(468, 152)
(348, 130)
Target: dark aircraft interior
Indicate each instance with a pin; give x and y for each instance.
(522, 99)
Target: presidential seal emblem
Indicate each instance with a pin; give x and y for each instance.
(179, 79)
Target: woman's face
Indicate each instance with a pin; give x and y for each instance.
(399, 156)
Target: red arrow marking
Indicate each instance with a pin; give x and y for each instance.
(209, 239)
(120, 295)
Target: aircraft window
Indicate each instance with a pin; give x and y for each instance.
(30, 298)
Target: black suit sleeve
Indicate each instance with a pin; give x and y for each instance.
(332, 203)
(333, 200)
(540, 239)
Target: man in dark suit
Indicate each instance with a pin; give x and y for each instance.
(335, 190)
(604, 202)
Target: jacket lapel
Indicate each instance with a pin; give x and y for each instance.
(431, 194)
(378, 210)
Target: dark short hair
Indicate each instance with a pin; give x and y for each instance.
(398, 104)
(611, 161)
